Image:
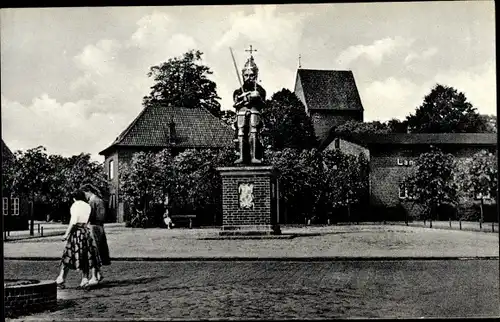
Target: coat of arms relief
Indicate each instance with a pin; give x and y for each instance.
(245, 191)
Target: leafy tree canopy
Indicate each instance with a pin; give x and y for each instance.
(286, 124)
(433, 182)
(445, 110)
(228, 117)
(183, 81)
(489, 123)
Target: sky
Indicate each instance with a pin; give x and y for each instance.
(72, 79)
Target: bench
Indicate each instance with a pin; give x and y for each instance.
(183, 220)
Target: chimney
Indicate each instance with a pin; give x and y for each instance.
(172, 133)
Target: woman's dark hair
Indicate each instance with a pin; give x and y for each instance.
(79, 195)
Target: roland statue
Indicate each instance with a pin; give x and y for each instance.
(249, 100)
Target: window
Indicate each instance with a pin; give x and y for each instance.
(112, 201)
(5, 206)
(337, 143)
(15, 206)
(111, 170)
(403, 191)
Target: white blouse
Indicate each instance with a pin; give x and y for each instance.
(80, 212)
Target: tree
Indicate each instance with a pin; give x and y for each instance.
(286, 124)
(183, 81)
(482, 179)
(141, 187)
(489, 123)
(300, 182)
(77, 171)
(345, 179)
(433, 184)
(31, 176)
(228, 117)
(190, 180)
(397, 126)
(197, 185)
(445, 110)
(356, 127)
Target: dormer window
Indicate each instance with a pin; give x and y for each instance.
(172, 132)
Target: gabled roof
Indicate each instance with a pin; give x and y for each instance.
(372, 140)
(329, 89)
(194, 128)
(7, 154)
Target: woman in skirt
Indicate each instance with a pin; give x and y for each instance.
(81, 251)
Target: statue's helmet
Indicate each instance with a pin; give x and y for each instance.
(250, 66)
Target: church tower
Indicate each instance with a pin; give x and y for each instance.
(330, 98)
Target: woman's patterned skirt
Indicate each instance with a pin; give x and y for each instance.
(81, 251)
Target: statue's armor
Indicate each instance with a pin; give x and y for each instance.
(249, 100)
(252, 106)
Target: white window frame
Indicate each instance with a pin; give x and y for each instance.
(111, 169)
(406, 195)
(400, 190)
(5, 206)
(15, 206)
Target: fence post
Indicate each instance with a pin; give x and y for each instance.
(450, 222)
(38, 228)
(460, 223)
(42, 232)
(32, 218)
(493, 226)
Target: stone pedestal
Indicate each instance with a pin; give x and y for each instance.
(249, 200)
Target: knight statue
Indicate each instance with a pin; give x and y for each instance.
(249, 100)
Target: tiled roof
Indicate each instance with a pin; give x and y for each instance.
(486, 139)
(194, 127)
(7, 154)
(329, 89)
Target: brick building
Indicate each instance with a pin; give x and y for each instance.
(392, 159)
(157, 128)
(330, 98)
(15, 208)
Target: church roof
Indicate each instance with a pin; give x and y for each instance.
(329, 89)
(194, 128)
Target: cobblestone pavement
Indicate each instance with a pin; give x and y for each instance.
(275, 290)
(331, 241)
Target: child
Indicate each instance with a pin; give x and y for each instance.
(167, 220)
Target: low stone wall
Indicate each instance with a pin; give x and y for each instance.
(25, 297)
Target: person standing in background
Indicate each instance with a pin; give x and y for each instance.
(96, 220)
